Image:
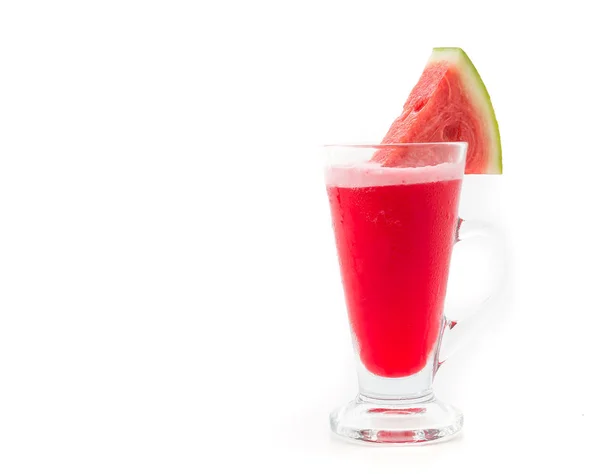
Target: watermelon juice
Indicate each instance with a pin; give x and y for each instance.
(394, 230)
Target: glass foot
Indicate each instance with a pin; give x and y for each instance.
(397, 422)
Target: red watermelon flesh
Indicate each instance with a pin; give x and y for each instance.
(449, 103)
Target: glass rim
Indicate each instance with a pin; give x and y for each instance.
(427, 153)
(460, 145)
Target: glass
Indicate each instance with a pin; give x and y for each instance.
(395, 228)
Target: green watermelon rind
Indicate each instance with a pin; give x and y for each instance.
(481, 98)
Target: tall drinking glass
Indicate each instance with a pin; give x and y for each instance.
(395, 228)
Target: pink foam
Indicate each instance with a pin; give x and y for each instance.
(373, 174)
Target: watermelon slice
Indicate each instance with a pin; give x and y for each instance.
(449, 103)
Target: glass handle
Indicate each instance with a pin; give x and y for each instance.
(456, 331)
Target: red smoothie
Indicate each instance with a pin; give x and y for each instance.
(394, 230)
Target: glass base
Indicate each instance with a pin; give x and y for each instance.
(418, 421)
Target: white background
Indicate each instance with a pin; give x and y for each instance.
(169, 291)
